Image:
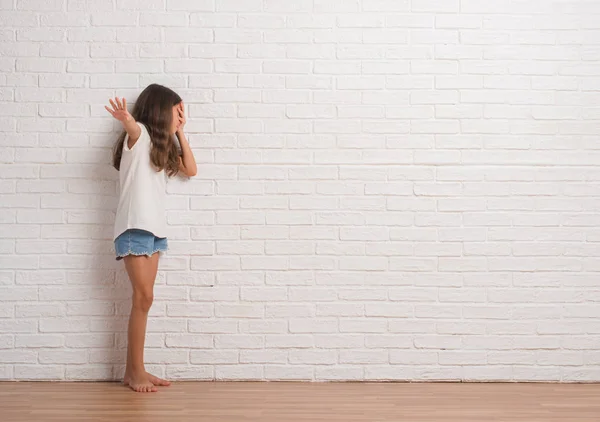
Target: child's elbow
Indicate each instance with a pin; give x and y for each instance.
(189, 172)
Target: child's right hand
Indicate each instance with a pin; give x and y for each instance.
(119, 110)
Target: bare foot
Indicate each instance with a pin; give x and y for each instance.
(158, 381)
(140, 383)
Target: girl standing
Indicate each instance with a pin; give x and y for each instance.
(145, 154)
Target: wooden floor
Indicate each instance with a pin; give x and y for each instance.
(291, 402)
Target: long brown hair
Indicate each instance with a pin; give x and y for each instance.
(154, 109)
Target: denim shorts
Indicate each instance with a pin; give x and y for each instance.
(139, 242)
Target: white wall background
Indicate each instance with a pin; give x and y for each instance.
(387, 189)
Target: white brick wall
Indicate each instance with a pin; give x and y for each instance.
(387, 189)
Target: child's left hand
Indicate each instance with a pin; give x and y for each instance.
(182, 120)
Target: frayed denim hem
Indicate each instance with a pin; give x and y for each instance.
(160, 251)
(138, 242)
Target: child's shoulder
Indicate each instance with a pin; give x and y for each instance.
(145, 131)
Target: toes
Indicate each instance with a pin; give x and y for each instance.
(144, 388)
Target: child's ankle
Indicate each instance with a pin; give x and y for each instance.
(136, 369)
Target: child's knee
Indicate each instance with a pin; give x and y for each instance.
(143, 300)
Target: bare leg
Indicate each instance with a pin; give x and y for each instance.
(154, 270)
(142, 273)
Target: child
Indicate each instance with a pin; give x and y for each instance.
(145, 154)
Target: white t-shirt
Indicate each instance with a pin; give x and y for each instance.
(143, 190)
